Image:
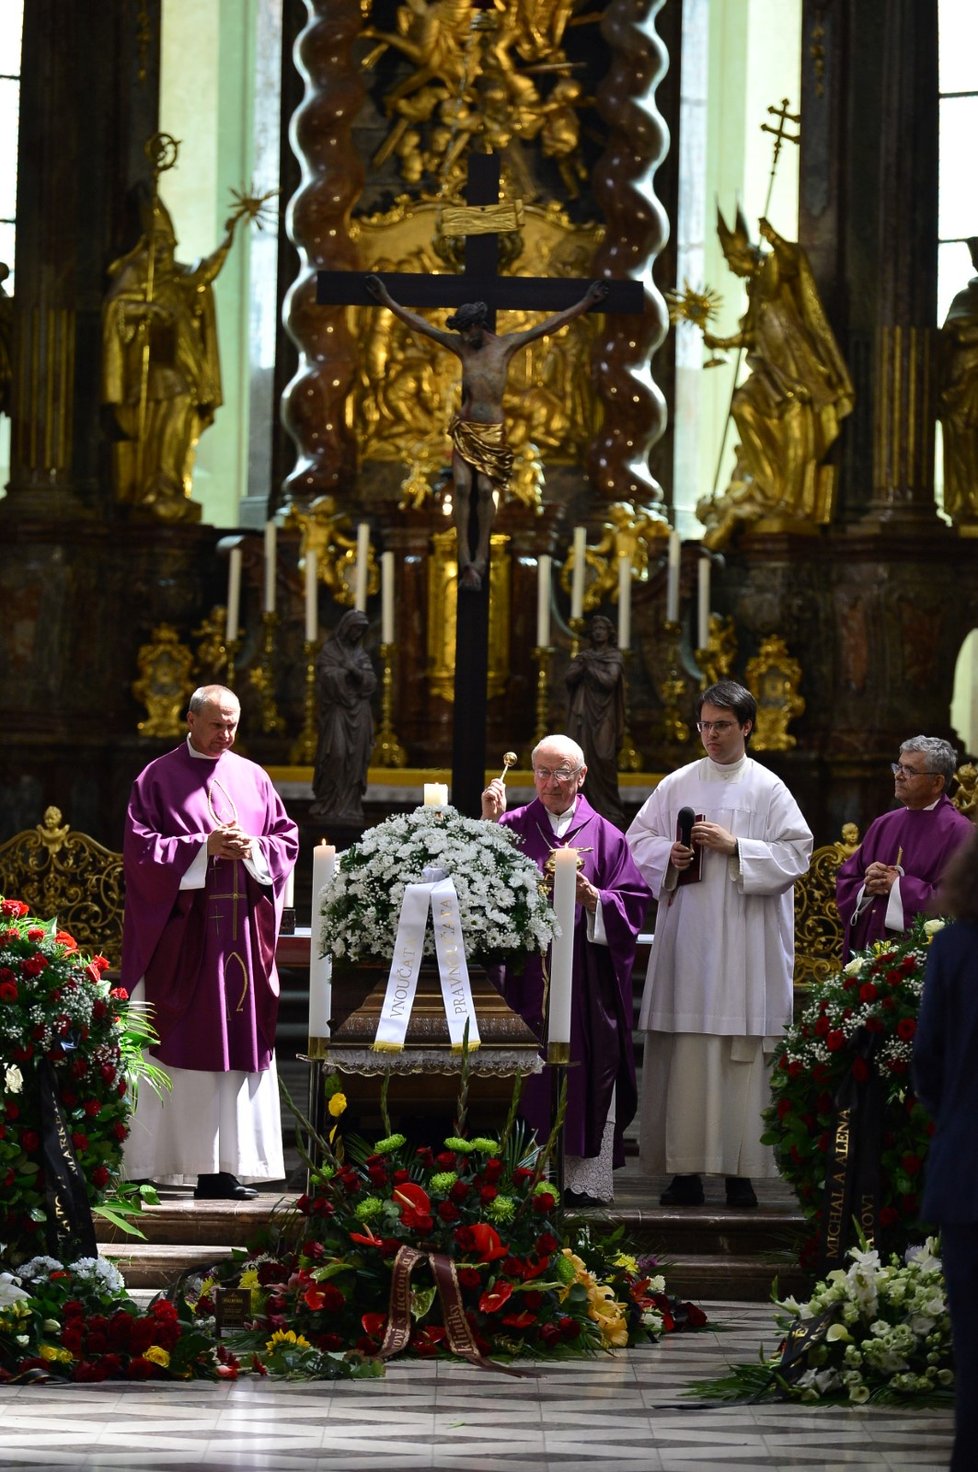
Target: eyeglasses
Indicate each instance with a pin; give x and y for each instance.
(896, 767)
(718, 726)
(562, 774)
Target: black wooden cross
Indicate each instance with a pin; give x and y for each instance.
(478, 281)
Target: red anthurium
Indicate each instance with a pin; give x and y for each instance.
(494, 1298)
(486, 1242)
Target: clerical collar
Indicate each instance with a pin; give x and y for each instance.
(560, 823)
(727, 772)
(201, 756)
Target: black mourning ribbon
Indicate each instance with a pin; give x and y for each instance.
(69, 1215)
(852, 1173)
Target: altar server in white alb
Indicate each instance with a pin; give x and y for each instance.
(721, 843)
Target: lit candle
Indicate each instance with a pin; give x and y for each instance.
(703, 602)
(312, 597)
(234, 595)
(435, 794)
(624, 602)
(672, 580)
(562, 953)
(577, 584)
(387, 598)
(543, 601)
(320, 967)
(360, 580)
(269, 603)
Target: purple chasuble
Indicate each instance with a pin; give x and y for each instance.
(601, 995)
(921, 841)
(207, 955)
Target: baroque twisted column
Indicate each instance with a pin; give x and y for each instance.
(322, 132)
(636, 230)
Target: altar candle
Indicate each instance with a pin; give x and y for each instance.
(320, 967)
(435, 794)
(360, 580)
(543, 601)
(703, 602)
(234, 595)
(387, 598)
(269, 589)
(562, 953)
(624, 602)
(288, 897)
(672, 579)
(312, 597)
(577, 584)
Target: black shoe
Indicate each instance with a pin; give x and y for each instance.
(223, 1187)
(581, 1198)
(684, 1191)
(740, 1192)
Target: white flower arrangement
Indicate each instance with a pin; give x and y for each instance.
(502, 898)
(890, 1334)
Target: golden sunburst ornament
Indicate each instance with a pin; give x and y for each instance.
(692, 304)
(255, 206)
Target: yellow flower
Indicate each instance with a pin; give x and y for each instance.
(157, 1356)
(55, 1352)
(287, 1337)
(626, 1261)
(249, 1279)
(337, 1104)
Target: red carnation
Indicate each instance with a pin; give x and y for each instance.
(92, 1107)
(100, 1177)
(906, 1028)
(13, 910)
(8, 991)
(35, 933)
(835, 1040)
(868, 992)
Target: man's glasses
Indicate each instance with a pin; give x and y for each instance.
(896, 767)
(562, 774)
(718, 726)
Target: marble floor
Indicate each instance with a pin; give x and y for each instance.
(608, 1415)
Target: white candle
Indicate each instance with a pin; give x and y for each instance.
(312, 597)
(387, 598)
(234, 595)
(360, 581)
(562, 952)
(288, 898)
(269, 590)
(624, 602)
(703, 602)
(543, 601)
(672, 580)
(435, 794)
(320, 967)
(577, 584)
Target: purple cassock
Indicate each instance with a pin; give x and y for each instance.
(207, 954)
(920, 841)
(601, 994)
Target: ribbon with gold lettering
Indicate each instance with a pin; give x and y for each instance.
(458, 1331)
(438, 894)
(852, 1172)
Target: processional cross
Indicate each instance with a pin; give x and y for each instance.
(480, 222)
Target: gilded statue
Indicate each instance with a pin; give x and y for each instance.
(788, 409)
(482, 461)
(959, 400)
(773, 677)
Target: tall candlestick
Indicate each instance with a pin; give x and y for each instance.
(312, 597)
(543, 601)
(234, 595)
(360, 580)
(435, 794)
(577, 583)
(562, 952)
(387, 598)
(320, 966)
(703, 602)
(672, 579)
(269, 590)
(624, 602)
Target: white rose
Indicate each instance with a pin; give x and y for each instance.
(853, 967)
(13, 1080)
(931, 927)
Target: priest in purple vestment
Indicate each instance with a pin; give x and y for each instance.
(894, 872)
(612, 899)
(208, 848)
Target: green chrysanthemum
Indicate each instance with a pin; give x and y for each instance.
(502, 1209)
(460, 1146)
(389, 1144)
(443, 1181)
(368, 1208)
(484, 1146)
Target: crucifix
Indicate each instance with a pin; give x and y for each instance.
(480, 222)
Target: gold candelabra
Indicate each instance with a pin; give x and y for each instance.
(576, 626)
(629, 759)
(304, 747)
(263, 677)
(229, 651)
(675, 729)
(542, 655)
(388, 751)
